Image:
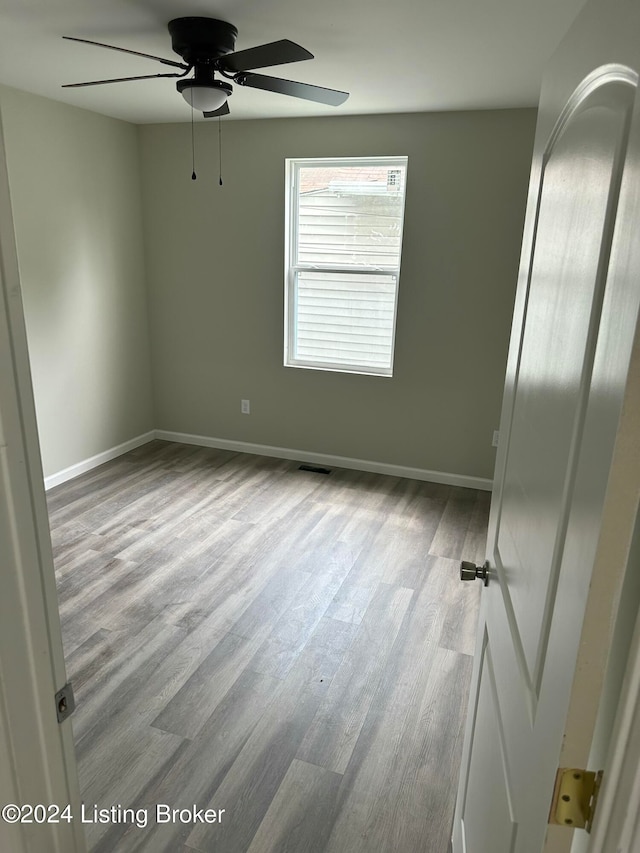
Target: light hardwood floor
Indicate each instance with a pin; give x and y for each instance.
(292, 647)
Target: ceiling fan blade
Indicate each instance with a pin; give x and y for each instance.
(333, 97)
(222, 111)
(126, 50)
(117, 80)
(274, 53)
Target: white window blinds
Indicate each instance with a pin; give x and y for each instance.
(344, 230)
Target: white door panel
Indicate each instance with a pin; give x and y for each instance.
(578, 200)
(568, 473)
(488, 815)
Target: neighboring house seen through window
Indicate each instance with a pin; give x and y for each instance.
(342, 264)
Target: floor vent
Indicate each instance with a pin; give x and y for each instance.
(315, 469)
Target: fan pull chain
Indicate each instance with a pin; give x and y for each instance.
(220, 149)
(193, 144)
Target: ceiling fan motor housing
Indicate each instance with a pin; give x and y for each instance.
(201, 40)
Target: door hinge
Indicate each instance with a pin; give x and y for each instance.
(575, 797)
(65, 703)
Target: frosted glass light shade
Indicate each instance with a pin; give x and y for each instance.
(205, 98)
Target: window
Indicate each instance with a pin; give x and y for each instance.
(342, 265)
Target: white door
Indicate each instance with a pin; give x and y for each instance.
(568, 470)
(37, 762)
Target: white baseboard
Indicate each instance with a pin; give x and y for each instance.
(329, 460)
(268, 450)
(100, 458)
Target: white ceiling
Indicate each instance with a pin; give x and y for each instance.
(393, 56)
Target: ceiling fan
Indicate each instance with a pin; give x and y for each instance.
(207, 47)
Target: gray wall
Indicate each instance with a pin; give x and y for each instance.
(215, 275)
(75, 188)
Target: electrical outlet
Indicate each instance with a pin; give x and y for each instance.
(245, 407)
(496, 437)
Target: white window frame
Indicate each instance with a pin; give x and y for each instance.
(293, 267)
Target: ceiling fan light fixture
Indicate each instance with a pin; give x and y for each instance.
(204, 95)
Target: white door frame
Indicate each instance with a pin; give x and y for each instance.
(617, 821)
(37, 759)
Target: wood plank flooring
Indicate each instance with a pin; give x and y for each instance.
(291, 647)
